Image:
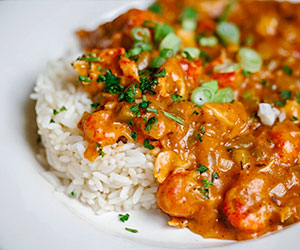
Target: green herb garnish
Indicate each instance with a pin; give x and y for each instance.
(134, 135)
(175, 118)
(287, 69)
(147, 144)
(215, 175)
(161, 73)
(112, 83)
(52, 121)
(124, 217)
(95, 105)
(152, 121)
(135, 110)
(201, 168)
(294, 118)
(230, 149)
(83, 79)
(176, 97)
(131, 230)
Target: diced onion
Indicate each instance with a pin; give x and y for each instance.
(267, 114)
(250, 60)
(228, 32)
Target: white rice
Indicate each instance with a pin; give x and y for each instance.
(120, 181)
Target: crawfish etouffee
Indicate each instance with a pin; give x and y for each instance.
(212, 88)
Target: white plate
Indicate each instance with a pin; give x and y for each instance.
(32, 215)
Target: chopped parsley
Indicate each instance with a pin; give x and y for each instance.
(215, 175)
(55, 112)
(52, 121)
(230, 149)
(175, 118)
(279, 103)
(95, 105)
(89, 57)
(144, 72)
(128, 95)
(152, 121)
(156, 8)
(147, 85)
(176, 97)
(144, 104)
(270, 141)
(73, 194)
(124, 217)
(135, 110)
(199, 137)
(131, 230)
(83, 79)
(285, 94)
(264, 82)
(112, 83)
(134, 135)
(201, 168)
(202, 129)
(101, 153)
(98, 146)
(287, 69)
(294, 118)
(206, 183)
(195, 113)
(161, 73)
(147, 144)
(130, 123)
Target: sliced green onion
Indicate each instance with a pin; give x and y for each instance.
(134, 52)
(189, 24)
(166, 53)
(188, 19)
(227, 10)
(142, 45)
(139, 34)
(157, 62)
(224, 95)
(226, 68)
(171, 41)
(161, 31)
(194, 52)
(208, 41)
(211, 84)
(201, 95)
(173, 117)
(228, 32)
(250, 60)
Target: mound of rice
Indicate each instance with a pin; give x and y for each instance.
(120, 181)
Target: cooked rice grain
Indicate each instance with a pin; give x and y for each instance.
(120, 181)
